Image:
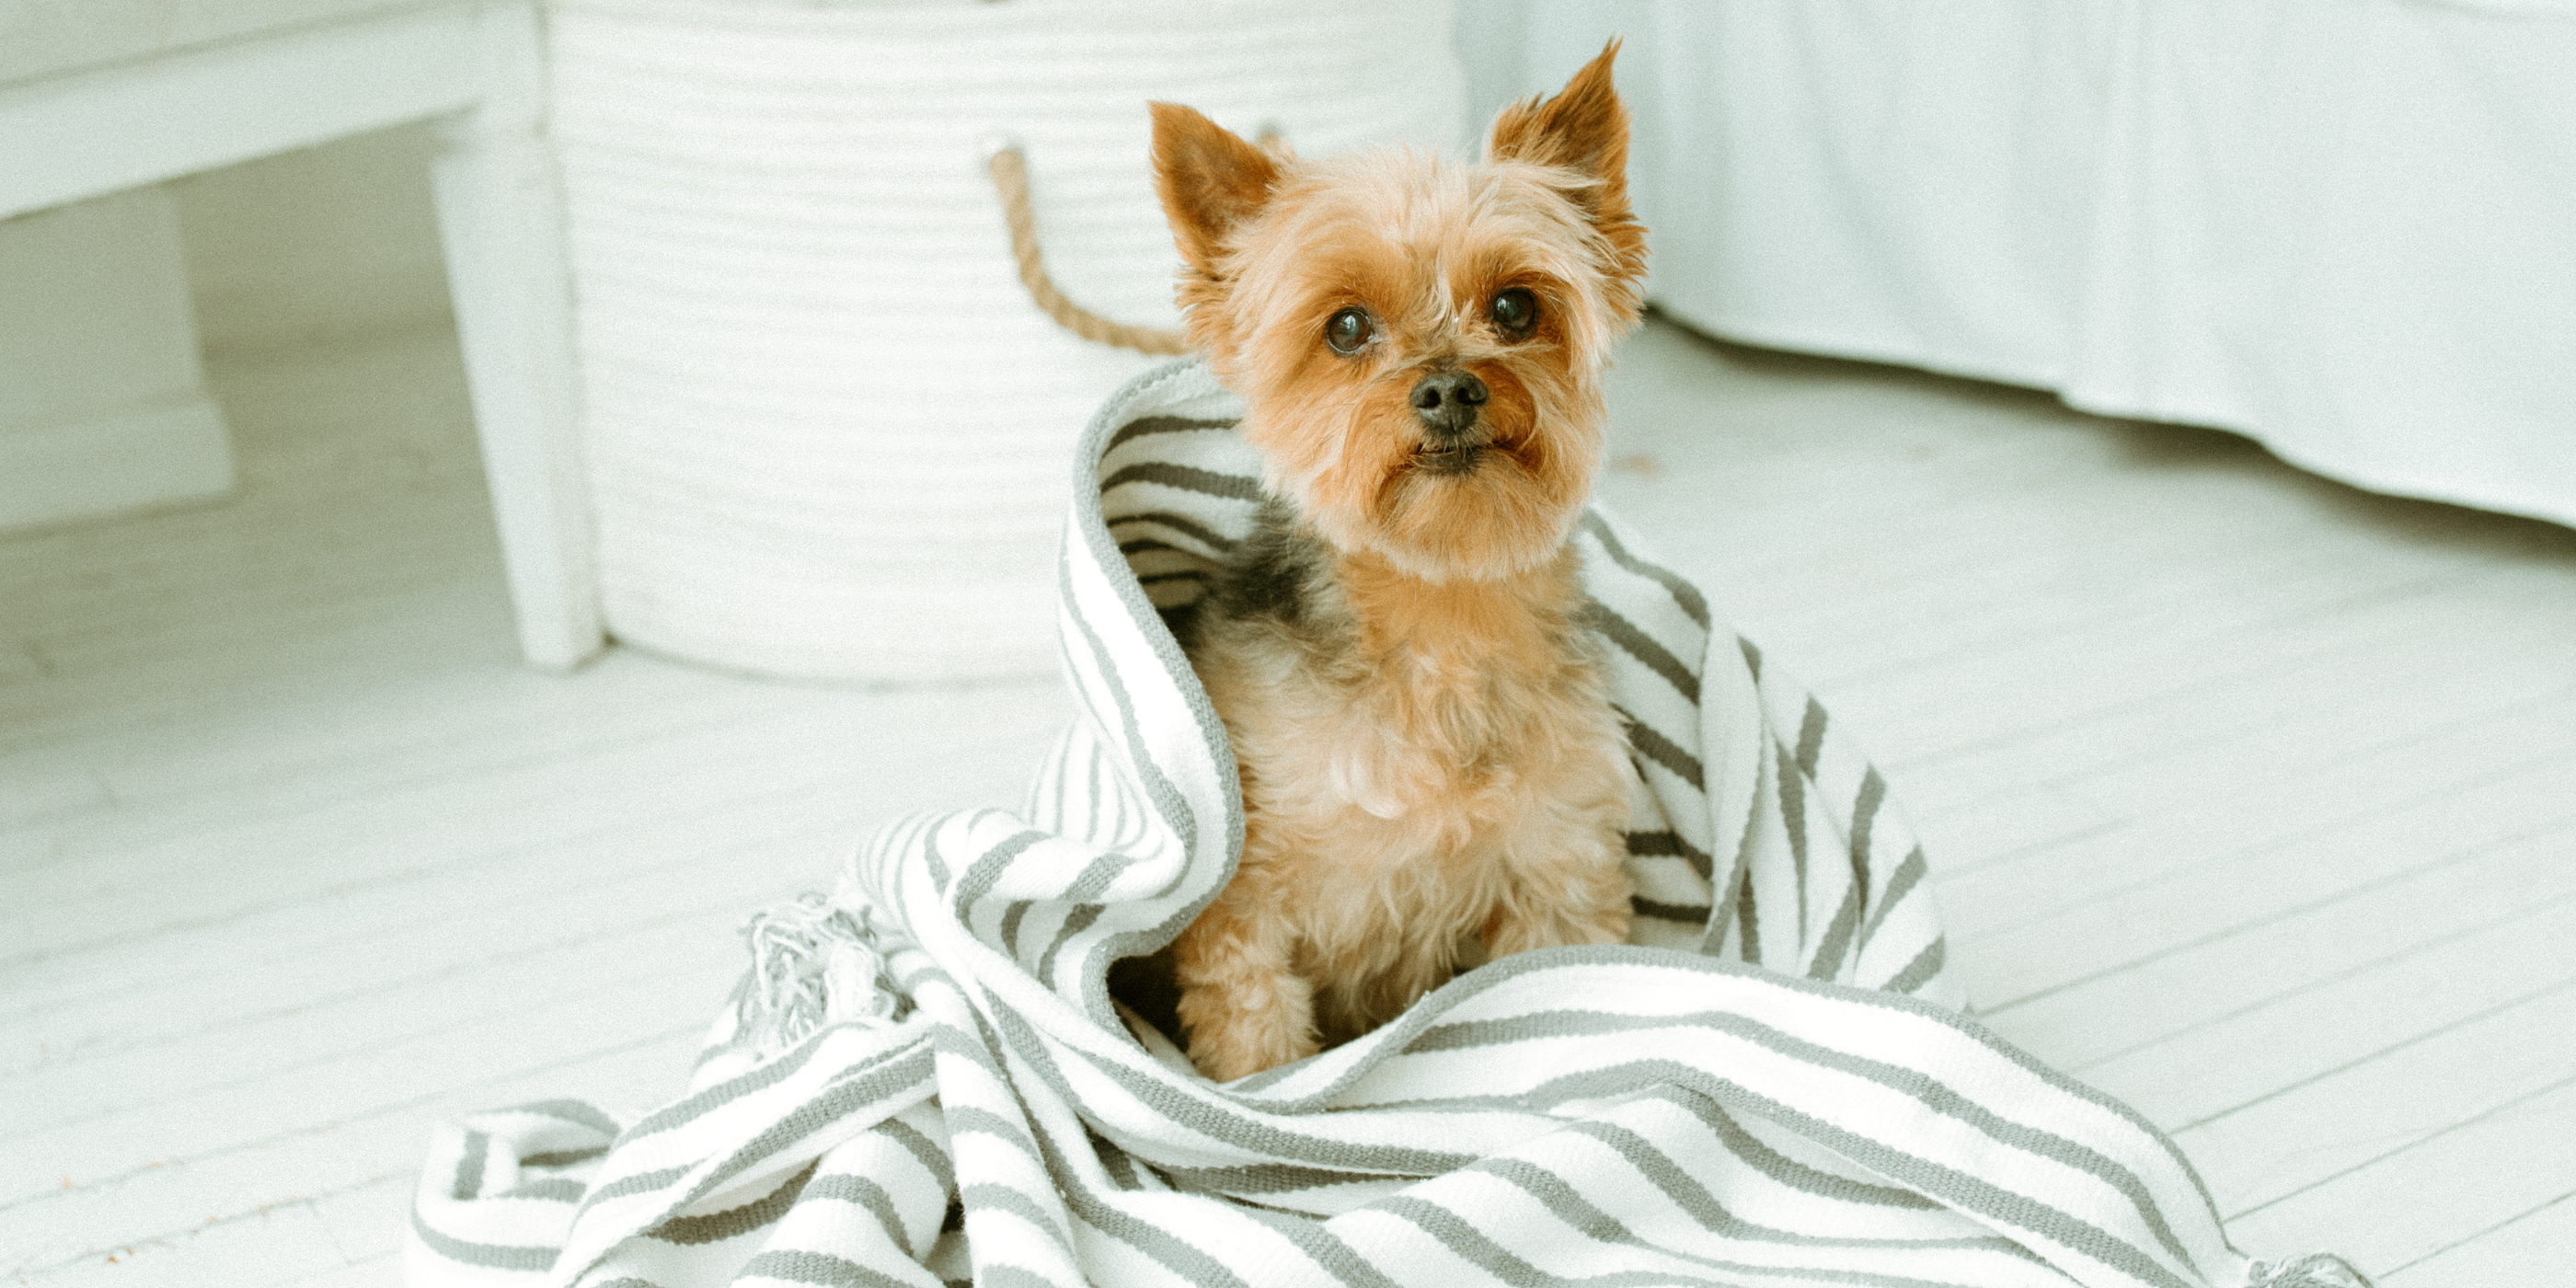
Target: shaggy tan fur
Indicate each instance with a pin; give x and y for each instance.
(1430, 765)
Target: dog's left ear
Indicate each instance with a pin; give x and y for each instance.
(1584, 128)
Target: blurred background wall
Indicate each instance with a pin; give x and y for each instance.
(324, 241)
(2340, 228)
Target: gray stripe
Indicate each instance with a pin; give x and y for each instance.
(1899, 885)
(1745, 920)
(1793, 816)
(1873, 793)
(714, 1227)
(1955, 1189)
(549, 1189)
(1185, 477)
(1552, 1191)
(1019, 911)
(1159, 792)
(923, 1149)
(1090, 518)
(1367, 1162)
(755, 1079)
(1737, 893)
(1637, 644)
(866, 1193)
(1811, 737)
(991, 1197)
(1471, 1244)
(1466, 1035)
(1752, 657)
(819, 1268)
(565, 1157)
(571, 1111)
(469, 1167)
(1663, 751)
(1670, 844)
(639, 1183)
(1575, 1210)
(1837, 942)
(1940, 1098)
(1911, 1083)
(1687, 914)
(1010, 1277)
(497, 1256)
(1161, 796)
(967, 1118)
(1920, 971)
(1183, 1259)
(1265, 1178)
(910, 1065)
(1879, 1000)
(1145, 425)
(1100, 794)
(931, 857)
(1788, 1172)
(1180, 523)
(1907, 1081)
(1683, 593)
(1971, 1194)
(1075, 923)
(1122, 1169)
(1311, 1236)
(1656, 1165)
(982, 874)
(1097, 876)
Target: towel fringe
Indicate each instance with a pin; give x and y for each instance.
(2315, 1270)
(813, 963)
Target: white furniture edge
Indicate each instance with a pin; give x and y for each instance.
(478, 63)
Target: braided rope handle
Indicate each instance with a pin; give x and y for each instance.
(1010, 172)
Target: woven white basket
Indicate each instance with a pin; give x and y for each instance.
(828, 431)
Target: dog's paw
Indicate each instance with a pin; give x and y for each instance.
(1227, 1056)
(1245, 1020)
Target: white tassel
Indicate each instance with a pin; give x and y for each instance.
(812, 964)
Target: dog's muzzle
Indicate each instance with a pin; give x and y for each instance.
(1448, 403)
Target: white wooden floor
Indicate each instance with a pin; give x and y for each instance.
(2252, 797)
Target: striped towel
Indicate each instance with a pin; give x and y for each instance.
(926, 1078)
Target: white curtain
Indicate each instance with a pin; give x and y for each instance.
(2346, 228)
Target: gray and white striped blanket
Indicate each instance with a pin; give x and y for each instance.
(926, 1079)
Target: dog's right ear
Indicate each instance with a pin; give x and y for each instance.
(1210, 180)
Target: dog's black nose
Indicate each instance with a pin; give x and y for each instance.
(1447, 401)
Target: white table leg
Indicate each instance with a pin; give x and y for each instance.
(500, 219)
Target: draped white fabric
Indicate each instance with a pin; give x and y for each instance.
(927, 1079)
(2346, 228)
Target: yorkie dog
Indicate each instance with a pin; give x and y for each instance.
(1431, 768)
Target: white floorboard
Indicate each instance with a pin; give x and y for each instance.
(2251, 799)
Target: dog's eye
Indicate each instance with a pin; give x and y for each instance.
(1347, 330)
(1515, 312)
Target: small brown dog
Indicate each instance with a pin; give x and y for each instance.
(1399, 653)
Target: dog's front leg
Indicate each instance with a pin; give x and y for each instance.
(1244, 1004)
(1579, 895)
